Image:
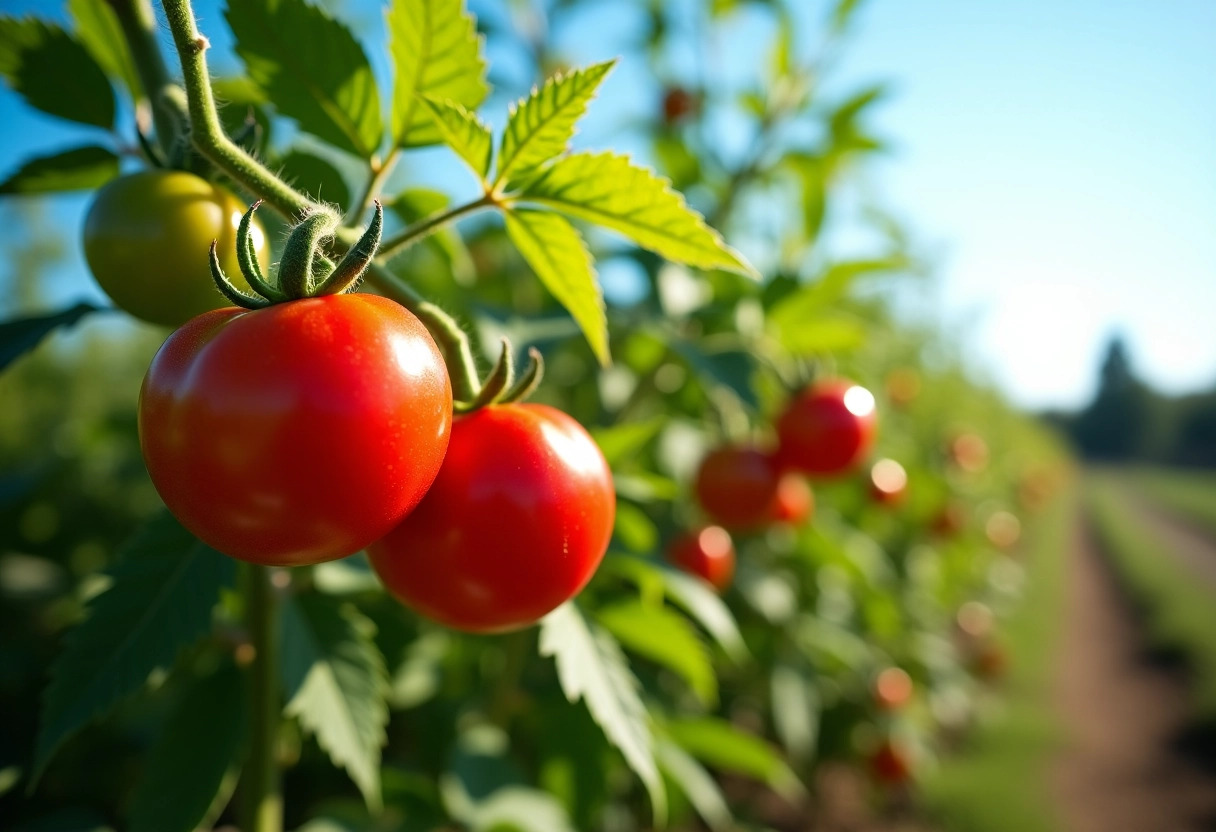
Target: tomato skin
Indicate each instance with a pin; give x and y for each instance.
(707, 553)
(516, 523)
(795, 500)
(891, 764)
(737, 487)
(146, 239)
(298, 433)
(827, 429)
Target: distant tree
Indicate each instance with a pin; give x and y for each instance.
(1117, 424)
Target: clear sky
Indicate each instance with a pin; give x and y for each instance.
(1058, 158)
(1061, 155)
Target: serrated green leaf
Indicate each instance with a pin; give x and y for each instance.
(622, 442)
(165, 586)
(608, 190)
(540, 126)
(708, 609)
(556, 252)
(189, 767)
(315, 176)
(721, 745)
(697, 784)
(335, 684)
(436, 53)
(83, 168)
(312, 68)
(591, 667)
(462, 131)
(54, 72)
(98, 29)
(19, 336)
(666, 638)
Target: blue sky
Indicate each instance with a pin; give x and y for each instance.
(1056, 157)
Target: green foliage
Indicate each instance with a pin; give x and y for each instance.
(696, 783)
(312, 68)
(608, 190)
(591, 667)
(720, 745)
(190, 769)
(315, 176)
(664, 637)
(463, 132)
(83, 168)
(436, 54)
(163, 591)
(19, 336)
(336, 683)
(54, 72)
(556, 252)
(541, 126)
(98, 29)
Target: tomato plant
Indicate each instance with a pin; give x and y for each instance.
(515, 524)
(542, 630)
(827, 429)
(146, 237)
(301, 453)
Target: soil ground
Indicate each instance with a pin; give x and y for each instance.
(1122, 769)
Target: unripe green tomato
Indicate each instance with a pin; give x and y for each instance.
(146, 239)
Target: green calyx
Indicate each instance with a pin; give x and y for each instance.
(304, 270)
(501, 386)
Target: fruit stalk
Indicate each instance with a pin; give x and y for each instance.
(262, 803)
(138, 24)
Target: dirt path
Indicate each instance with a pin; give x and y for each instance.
(1118, 772)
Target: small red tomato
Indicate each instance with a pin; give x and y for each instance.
(969, 452)
(888, 482)
(298, 433)
(707, 553)
(827, 429)
(795, 501)
(891, 764)
(515, 525)
(677, 104)
(737, 487)
(892, 688)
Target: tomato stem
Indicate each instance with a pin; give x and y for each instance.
(138, 24)
(377, 174)
(262, 803)
(424, 228)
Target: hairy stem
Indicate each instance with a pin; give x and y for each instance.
(209, 138)
(376, 177)
(138, 23)
(262, 803)
(420, 230)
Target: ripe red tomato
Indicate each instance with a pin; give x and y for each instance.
(677, 104)
(827, 429)
(737, 487)
(707, 553)
(515, 525)
(146, 239)
(298, 433)
(892, 688)
(891, 764)
(795, 502)
(888, 482)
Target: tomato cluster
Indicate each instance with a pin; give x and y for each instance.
(825, 431)
(306, 428)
